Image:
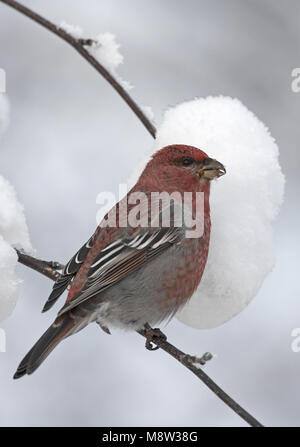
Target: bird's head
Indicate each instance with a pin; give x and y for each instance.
(184, 165)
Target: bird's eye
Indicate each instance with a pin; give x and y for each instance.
(186, 161)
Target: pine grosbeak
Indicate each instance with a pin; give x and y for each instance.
(133, 277)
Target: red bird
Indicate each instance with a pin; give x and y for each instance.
(135, 276)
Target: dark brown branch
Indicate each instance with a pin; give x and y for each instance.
(185, 360)
(48, 268)
(77, 44)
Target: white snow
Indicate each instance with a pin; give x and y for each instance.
(13, 230)
(244, 203)
(4, 113)
(74, 30)
(148, 112)
(8, 279)
(106, 50)
(13, 226)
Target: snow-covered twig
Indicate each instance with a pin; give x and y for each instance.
(78, 46)
(48, 269)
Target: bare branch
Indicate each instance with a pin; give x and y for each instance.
(77, 44)
(49, 268)
(46, 268)
(187, 361)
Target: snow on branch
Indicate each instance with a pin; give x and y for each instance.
(104, 48)
(77, 45)
(13, 231)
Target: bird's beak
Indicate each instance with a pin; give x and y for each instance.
(211, 169)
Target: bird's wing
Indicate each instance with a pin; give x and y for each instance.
(121, 258)
(68, 273)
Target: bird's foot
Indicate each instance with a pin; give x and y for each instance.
(153, 335)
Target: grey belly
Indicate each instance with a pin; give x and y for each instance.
(139, 298)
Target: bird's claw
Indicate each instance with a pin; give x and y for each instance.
(153, 335)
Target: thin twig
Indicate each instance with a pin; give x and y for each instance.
(183, 358)
(47, 269)
(77, 44)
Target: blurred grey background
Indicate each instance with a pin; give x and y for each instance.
(71, 137)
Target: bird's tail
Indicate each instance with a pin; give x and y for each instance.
(61, 328)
